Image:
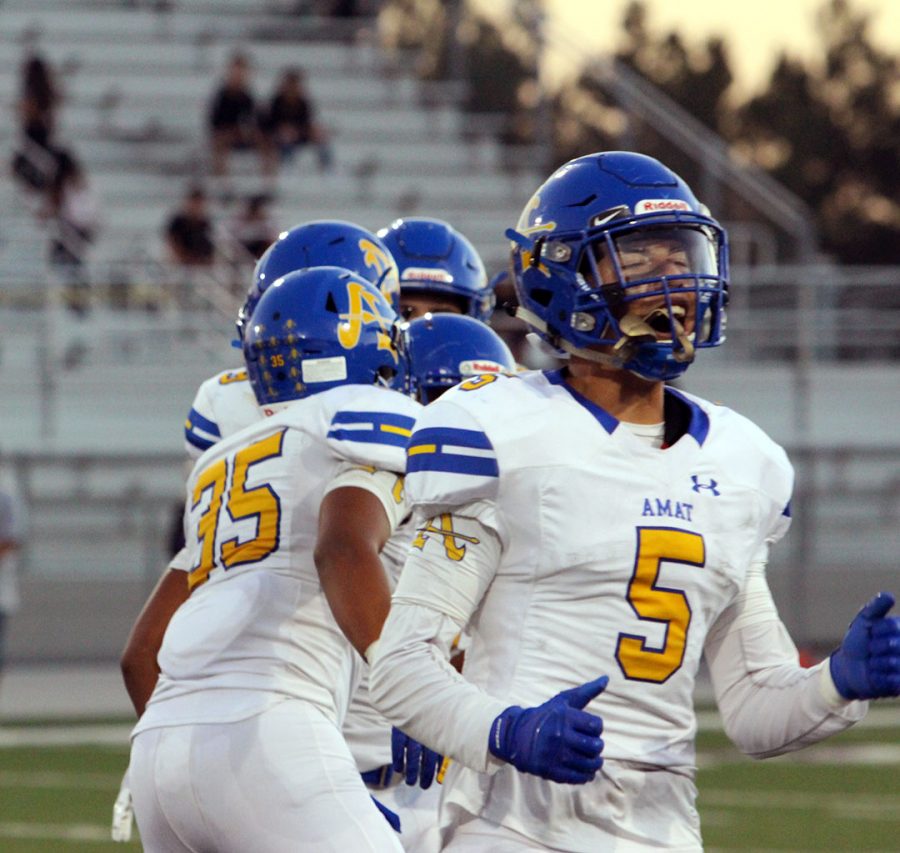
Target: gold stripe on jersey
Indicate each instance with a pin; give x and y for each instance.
(421, 448)
(395, 429)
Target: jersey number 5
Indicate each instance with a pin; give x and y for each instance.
(652, 603)
(260, 502)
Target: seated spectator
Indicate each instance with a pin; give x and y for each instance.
(34, 162)
(289, 122)
(75, 212)
(253, 228)
(233, 121)
(189, 231)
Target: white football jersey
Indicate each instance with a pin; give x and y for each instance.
(224, 404)
(614, 558)
(257, 626)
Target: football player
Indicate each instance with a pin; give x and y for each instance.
(225, 403)
(441, 351)
(440, 270)
(596, 532)
(281, 579)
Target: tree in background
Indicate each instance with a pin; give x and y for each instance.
(827, 132)
(831, 135)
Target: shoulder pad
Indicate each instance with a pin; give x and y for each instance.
(450, 459)
(371, 426)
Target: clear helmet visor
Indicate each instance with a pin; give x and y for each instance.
(657, 281)
(632, 258)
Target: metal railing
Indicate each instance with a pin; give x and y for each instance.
(107, 516)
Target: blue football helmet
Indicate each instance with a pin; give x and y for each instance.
(613, 251)
(318, 328)
(444, 349)
(434, 258)
(324, 242)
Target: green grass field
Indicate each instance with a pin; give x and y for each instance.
(843, 795)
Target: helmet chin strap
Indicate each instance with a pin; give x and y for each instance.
(635, 330)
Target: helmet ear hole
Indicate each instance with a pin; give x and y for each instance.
(542, 296)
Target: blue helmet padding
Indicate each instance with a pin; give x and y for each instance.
(590, 203)
(324, 242)
(318, 328)
(444, 349)
(433, 257)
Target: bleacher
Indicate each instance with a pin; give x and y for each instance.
(93, 404)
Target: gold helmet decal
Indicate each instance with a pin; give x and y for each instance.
(364, 308)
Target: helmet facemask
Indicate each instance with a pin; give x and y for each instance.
(642, 295)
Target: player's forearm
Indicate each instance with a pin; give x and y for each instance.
(415, 687)
(356, 586)
(140, 670)
(140, 676)
(770, 704)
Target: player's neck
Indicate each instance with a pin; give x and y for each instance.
(625, 396)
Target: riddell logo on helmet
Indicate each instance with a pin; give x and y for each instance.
(470, 368)
(425, 274)
(654, 205)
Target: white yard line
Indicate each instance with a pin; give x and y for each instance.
(59, 735)
(59, 832)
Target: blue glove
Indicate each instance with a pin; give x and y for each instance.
(418, 762)
(867, 664)
(557, 740)
(391, 817)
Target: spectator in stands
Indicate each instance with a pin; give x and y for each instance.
(34, 161)
(11, 539)
(252, 228)
(74, 210)
(289, 121)
(344, 8)
(233, 119)
(189, 231)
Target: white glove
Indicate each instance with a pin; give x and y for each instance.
(123, 813)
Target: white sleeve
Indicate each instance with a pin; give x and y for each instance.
(770, 704)
(201, 431)
(452, 561)
(385, 485)
(181, 562)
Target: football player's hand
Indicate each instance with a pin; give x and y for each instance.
(557, 740)
(417, 762)
(391, 817)
(867, 664)
(123, 813)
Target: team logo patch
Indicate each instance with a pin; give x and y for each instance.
(441, 529)
(712, 485)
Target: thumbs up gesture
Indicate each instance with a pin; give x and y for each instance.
(867, 664)
(558, 740)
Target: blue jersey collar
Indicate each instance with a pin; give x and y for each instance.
(698, 426)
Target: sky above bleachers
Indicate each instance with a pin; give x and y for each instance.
(756, 32)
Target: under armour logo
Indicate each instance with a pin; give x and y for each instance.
(711, 485)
